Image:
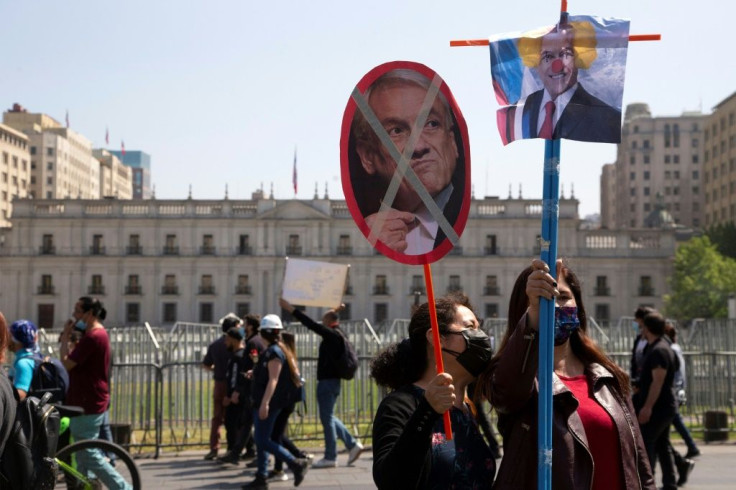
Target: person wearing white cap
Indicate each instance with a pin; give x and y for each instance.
(275, 377)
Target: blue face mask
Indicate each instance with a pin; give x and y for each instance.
(566, 322)
(635, 325)
(81, 325)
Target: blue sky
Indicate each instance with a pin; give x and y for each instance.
(220, 92)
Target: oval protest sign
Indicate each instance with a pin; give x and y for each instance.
(405, 162)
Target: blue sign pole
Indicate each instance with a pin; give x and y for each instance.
(550, 213)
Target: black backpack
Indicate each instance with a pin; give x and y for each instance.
(28, 459)
(347, 363)
(49, 376)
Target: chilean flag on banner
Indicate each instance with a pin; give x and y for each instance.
(293, 176)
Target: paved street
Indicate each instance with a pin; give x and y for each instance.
(714, 470)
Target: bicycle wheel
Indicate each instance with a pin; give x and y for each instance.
(124, 464)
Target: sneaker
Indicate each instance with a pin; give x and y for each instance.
(692, 453)
(229, 458)
(277, 475)
(211, 455)
(299, 468)
(260, 483)
(325, 463)
(684, 469)
(355, 453)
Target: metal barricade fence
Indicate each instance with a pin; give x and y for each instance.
(160, 392)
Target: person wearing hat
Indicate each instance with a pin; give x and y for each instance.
(215, 360)
(24, 344)
(236, 394)
(328, 384)
(274, 377)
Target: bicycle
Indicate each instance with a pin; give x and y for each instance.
(65, 458)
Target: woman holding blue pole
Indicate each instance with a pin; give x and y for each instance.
(596, 440)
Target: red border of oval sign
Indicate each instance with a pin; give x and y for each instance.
(445, 246)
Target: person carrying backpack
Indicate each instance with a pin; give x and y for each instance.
(24, 344)
(334, 351)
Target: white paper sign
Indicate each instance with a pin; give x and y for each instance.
(311, 283)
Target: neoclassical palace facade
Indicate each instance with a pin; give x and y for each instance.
(163, 261)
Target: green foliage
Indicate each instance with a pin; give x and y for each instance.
(702, 280)
(723, 237)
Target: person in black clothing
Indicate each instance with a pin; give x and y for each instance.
(328, 384)
(655, 402)
(640, 343)
(237, 393)
(254, 347)
(410, 449)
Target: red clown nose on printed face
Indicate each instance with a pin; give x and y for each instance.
(557, 66)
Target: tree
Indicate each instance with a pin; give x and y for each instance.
(724, 238)
(701, 283)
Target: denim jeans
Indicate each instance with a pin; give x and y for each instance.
(682, 430)
(328, 391)
(91, 460)
(262, 430)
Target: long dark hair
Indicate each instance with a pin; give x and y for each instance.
(581, 344)
(289, 349)
(94, 305)
(4, 337)
(403, 363)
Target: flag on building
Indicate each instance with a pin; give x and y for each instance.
(107, 136)
(67, 118)
(293, 177)
(122, 147)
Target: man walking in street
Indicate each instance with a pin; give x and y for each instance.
(655, 402)
(328, 384)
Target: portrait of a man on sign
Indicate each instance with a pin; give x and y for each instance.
(405, 162)
(563, 81)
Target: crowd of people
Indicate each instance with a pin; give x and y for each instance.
(610, 428)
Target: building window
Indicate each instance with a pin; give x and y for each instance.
(676, 158)
(454, 284)
(646, 175)
(345, 312)
(348, 285)
(96, 286)
(491, 245)
(646, 287)
(49, 152)
(602, 312)
(632, 160)
(47, 245)
(98, 245)
(293, 248)
(47, 284)
(133, 286)
(601, 286)
(646, 159)
(667, 174)
(242, 309)
(243, 286)
(667, 159)
(170, 246)
(491, 288)
(343, 245)
(169, 312)
(208, 245)
(33, 150)
(417, 285)
(380, 286)
(206, 286)
(132, 312)
(170, 286)
(380, 312)
(632, 175)
(206, 312)
(646, 191)
(134, 245)
(491, 310)
(244, 245)
(667, 136)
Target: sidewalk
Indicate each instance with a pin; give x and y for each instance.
(714, 470)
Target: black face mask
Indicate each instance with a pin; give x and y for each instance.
(477, 353)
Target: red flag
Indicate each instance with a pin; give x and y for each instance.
(122, 147)
(67, 118)
(107, 136)
(293, 177)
